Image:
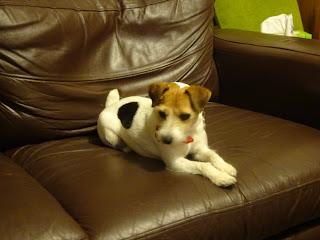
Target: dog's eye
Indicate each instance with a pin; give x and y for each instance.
(162, 114)
(184, 116)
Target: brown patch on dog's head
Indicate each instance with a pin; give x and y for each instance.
(156, 92)
(171, 95)
(177, 108)
(199, 97)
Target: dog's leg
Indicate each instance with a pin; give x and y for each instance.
(108, 130)
(206, 154)
(111, 139)
(206, 169)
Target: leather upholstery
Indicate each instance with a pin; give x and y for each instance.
(58, 60)
(307, 231)
(66, 55)
(123, 196)
(271, 74)
(28, 211)
(310, 14)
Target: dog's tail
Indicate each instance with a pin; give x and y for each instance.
(112, 97)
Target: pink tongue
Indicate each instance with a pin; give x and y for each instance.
(189, 139)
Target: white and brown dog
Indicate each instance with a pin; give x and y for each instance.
(169, 126)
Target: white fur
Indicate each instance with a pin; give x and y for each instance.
(141, 138)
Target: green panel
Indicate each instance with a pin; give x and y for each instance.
(248, 14)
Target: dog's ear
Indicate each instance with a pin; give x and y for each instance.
(156, 90)
(199, 97)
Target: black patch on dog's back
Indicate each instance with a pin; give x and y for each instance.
(126, 113)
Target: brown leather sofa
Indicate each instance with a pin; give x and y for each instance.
(310, 14)
(58, 60)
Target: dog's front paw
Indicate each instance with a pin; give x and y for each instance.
(228, 168)
(220, 164)
(223, 166)
(222, 179)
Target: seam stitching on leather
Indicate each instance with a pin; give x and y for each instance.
(83, 10)
(265, 46)
(61, 8)
(137, 72)
(196, 217)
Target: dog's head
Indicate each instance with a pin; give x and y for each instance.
(177, 110)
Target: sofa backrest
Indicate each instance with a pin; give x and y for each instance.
(58, 59)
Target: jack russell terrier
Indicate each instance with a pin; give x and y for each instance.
(169, 126)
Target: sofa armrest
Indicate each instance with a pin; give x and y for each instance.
(271, 74)
(28, 211)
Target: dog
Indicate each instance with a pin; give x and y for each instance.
(169, 126)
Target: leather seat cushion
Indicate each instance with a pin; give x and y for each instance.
(115, 195)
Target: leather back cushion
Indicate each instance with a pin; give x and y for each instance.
(58, 59)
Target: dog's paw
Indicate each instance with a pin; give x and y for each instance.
(221, 165)
(228, 168)
(225, 167)
(223, 179)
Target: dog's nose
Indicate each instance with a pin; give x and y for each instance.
(166, 139)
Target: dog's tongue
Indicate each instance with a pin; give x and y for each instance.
(189, 139)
